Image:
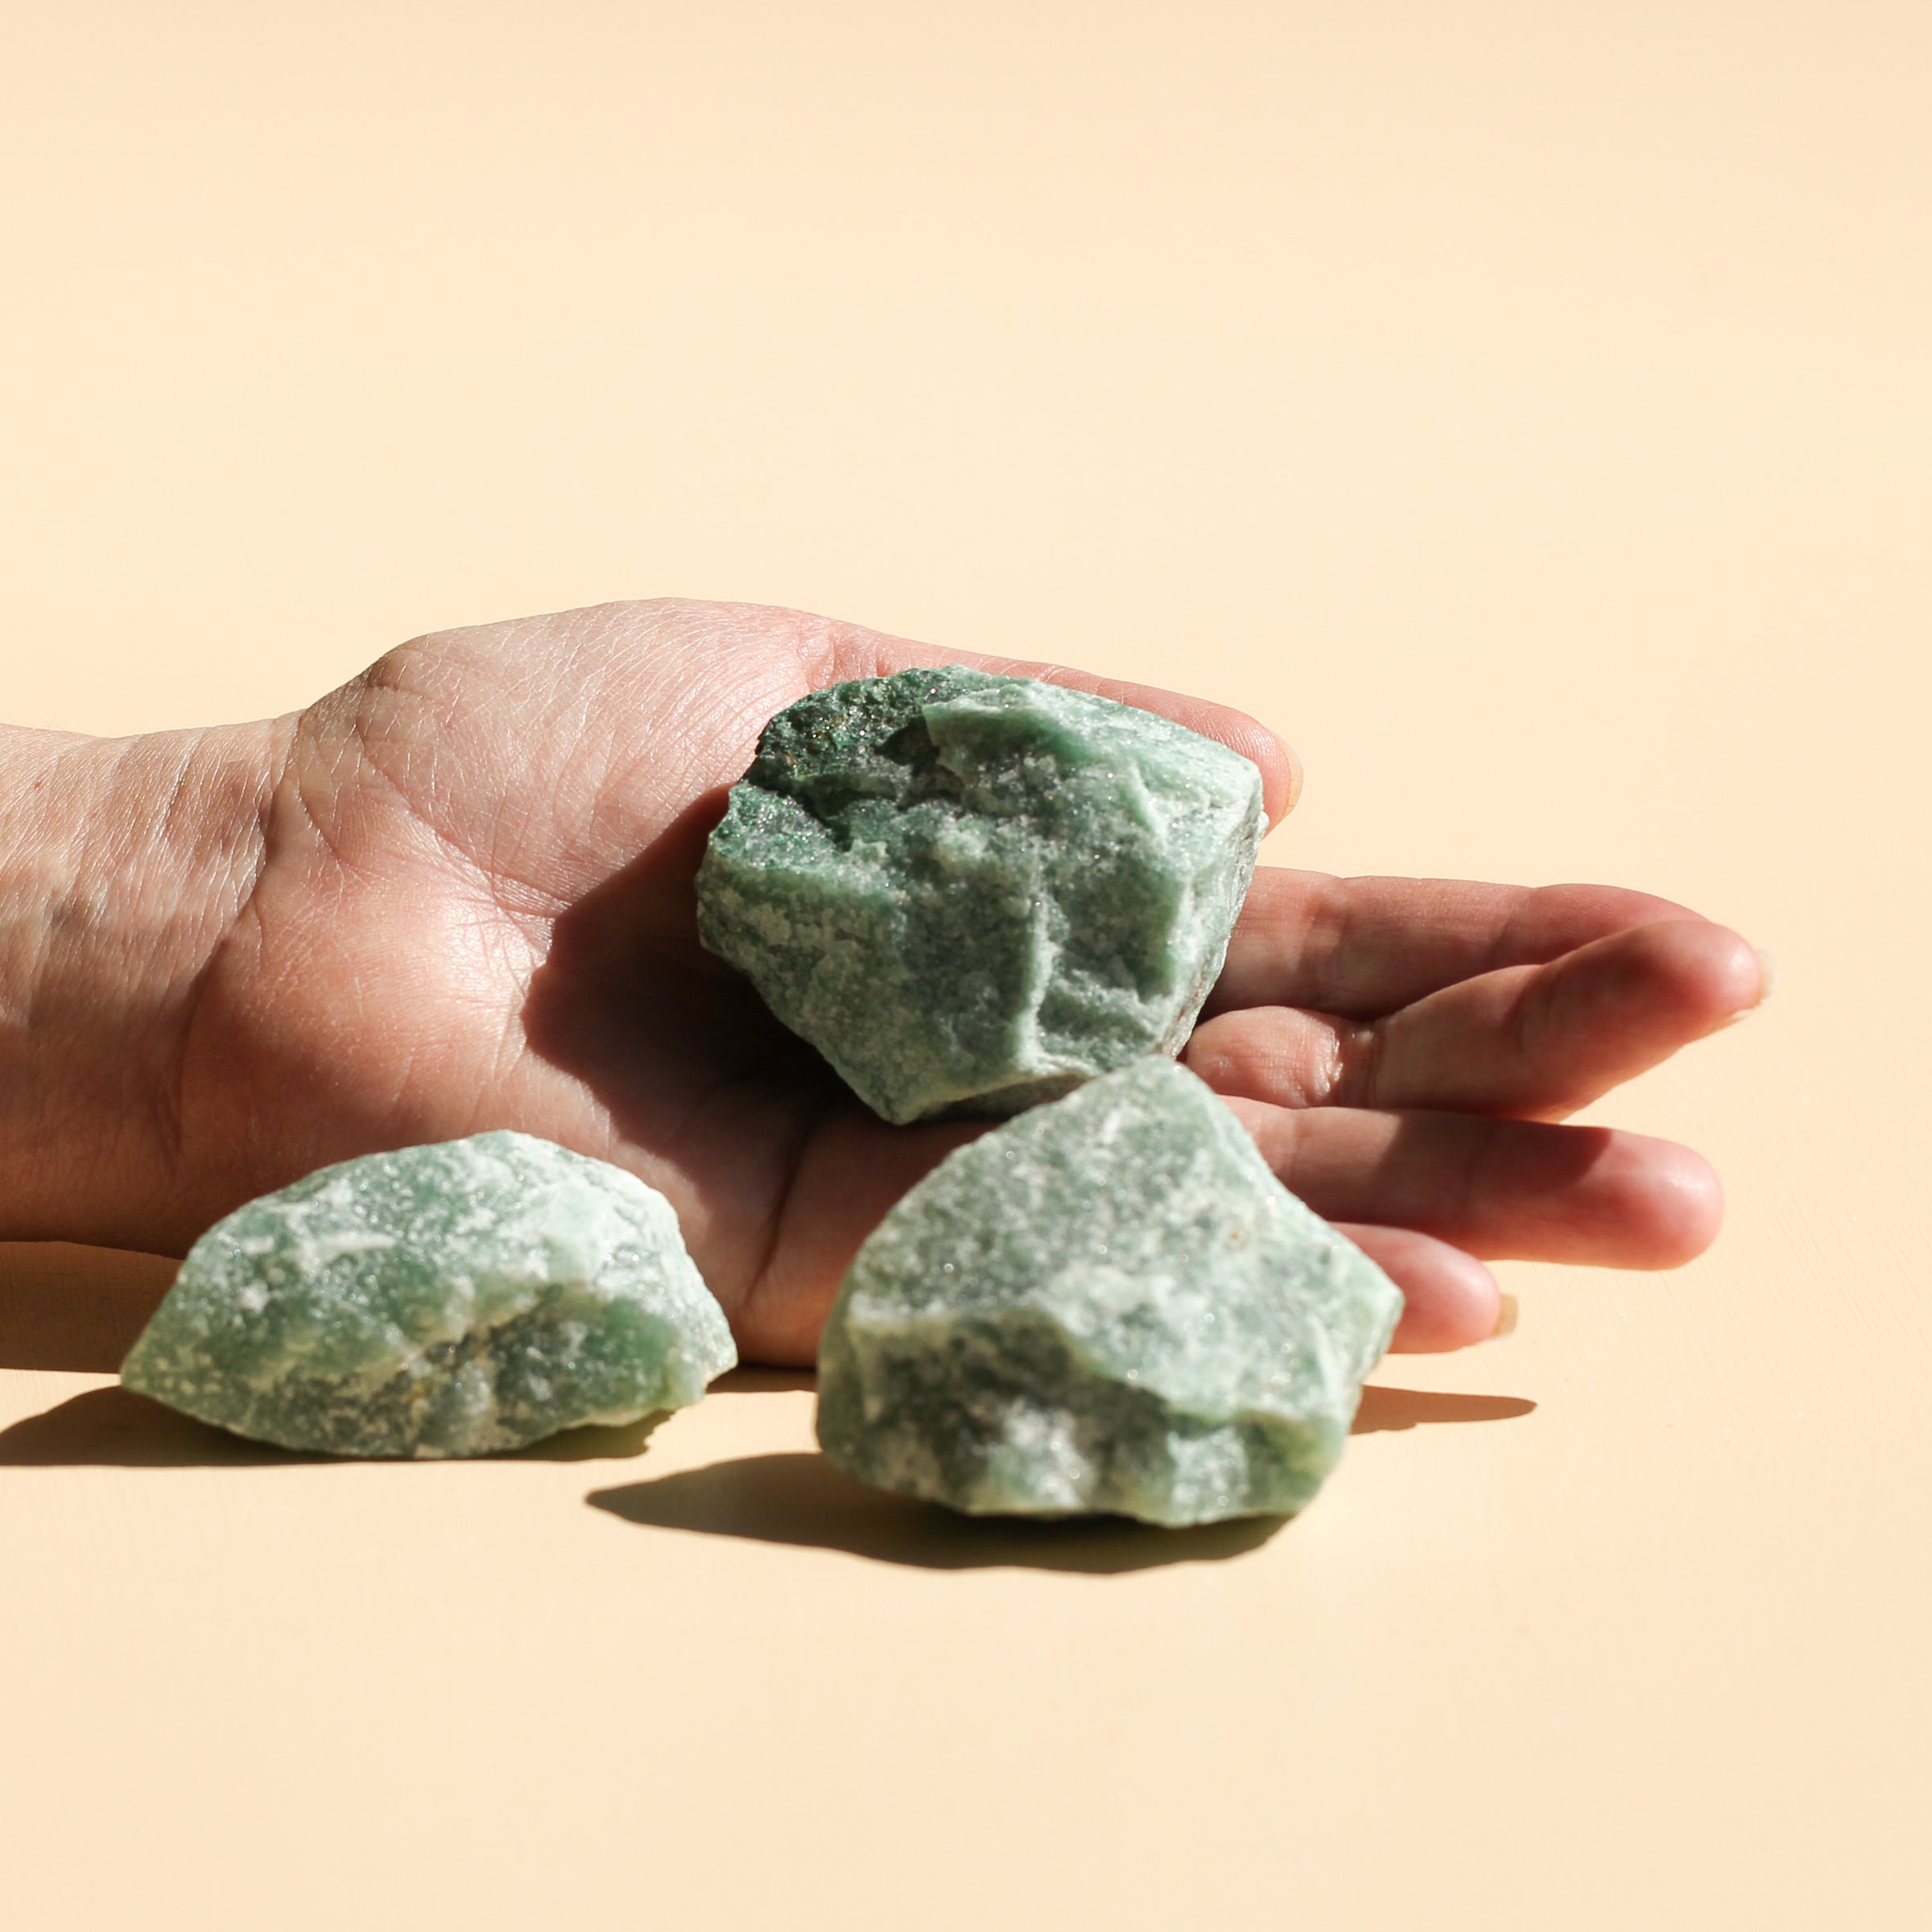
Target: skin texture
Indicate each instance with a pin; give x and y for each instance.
(456, 894)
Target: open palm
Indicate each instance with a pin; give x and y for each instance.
(476, 910)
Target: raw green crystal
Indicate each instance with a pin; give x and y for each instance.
(971, 892)
(445, 1300)
(1109, 1304)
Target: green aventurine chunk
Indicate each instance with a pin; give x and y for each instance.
(971, 893)
(445, 1300)
(1110, 1304)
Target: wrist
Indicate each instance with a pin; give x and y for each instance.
(124, 864)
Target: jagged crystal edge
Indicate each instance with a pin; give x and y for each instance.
(974, 893)
(453, 1299)
(1109, 1304)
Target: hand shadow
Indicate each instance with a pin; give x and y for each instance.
(1407, 1408)
(76, 1308)
(704, 1031)
(114, 1428)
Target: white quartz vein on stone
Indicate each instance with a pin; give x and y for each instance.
(1017, 886)
(449, 1299)
(1109, 1303)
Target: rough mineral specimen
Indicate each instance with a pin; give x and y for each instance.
(445, 1300)
(1109, 1304)
(972, 892)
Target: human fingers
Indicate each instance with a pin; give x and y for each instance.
(1363, 947)
(1450, 1300)
(854, 1167)
(857, 653)
(1521, 1190)
(1532, 1041)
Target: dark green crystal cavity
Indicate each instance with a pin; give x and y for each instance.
(972, 892)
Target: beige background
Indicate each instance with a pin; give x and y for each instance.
(1525, 407)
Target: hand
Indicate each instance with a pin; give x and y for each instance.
(468, 905)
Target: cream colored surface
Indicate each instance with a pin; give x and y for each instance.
(1527, 408)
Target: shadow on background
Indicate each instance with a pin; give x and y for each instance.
(800, 1499)
(76, 1309)
(618, 1442)
(629, 1439)
(765, 1381)
(1410, 1408)
(114, 1428)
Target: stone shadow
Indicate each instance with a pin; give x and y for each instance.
(116, 1429)
(799, 1499)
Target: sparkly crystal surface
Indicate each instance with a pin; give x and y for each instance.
(1109, 1304)
(972, 892)
(446, 1300)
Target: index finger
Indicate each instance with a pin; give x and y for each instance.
(1363, 947)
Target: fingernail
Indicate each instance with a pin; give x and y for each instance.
(1505, 1318)
(1767, 984)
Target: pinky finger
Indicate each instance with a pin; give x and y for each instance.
(1450, 1299)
